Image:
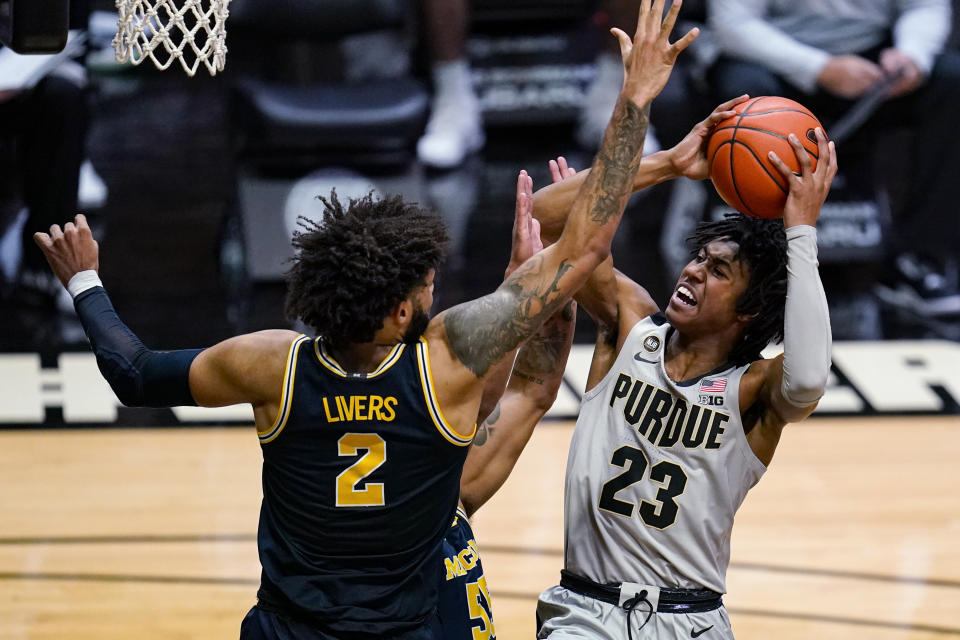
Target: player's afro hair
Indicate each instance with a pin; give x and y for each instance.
(355, 265)
(763, 246)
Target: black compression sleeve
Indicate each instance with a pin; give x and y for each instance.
(140, 377)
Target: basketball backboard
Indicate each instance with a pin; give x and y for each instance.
(34, 26)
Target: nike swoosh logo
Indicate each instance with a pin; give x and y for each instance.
(636, 356)
(697, 634)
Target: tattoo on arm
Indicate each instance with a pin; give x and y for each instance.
(485, 430)
(617, 161)
(481, 332)
(544, 353)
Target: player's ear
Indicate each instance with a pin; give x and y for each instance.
(403, 312)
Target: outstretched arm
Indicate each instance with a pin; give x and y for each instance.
(245, 369)
(688, 159)
(614, 301)
(478, 334)
(524, 242)
(615, 314)
(533, 387)
(790, 385)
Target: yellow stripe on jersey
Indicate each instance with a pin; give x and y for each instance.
(433, 407)
(287, 396)
(331, 364)
(326, 360)
(459, 514)
(389, 361)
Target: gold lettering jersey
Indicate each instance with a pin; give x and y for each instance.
(656, 471)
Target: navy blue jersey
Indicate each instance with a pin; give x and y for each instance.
(361, 476)
(465, 610)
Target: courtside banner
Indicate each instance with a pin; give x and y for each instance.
(867, 378)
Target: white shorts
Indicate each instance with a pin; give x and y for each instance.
(567, 615)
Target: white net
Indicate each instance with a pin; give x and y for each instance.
(190, 32)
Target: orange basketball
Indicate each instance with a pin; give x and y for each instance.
(737, 152)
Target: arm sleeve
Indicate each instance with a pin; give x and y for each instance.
(922, 30)
(140, 377)
(742, 32)
(806, 326)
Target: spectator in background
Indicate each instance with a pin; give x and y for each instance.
(43, 126)
(674, 108)
(827, 54)
(42, 133)
(455, 128)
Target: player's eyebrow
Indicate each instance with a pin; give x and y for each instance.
(713, 257)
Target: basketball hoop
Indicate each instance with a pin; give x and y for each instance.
(191, 33)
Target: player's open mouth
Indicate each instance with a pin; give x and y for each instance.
(685, 296)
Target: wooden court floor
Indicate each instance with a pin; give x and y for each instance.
(141, 534)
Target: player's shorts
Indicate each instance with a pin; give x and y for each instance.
(567, 613)
(263, 624)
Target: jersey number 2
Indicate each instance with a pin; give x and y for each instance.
(668, 474)
(478, 599)
(371, 494)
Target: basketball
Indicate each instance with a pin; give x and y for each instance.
(741, 172)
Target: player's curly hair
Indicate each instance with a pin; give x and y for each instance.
(357, 263)
(763, 246)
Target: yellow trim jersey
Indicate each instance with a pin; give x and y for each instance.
(656, 471)
(466, 612)
(361, 477)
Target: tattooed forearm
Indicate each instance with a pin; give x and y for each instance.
(529, 378)
(485, 429)
(546, 352)
(617, 162)
(481, 332)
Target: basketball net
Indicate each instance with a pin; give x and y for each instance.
(192, 33)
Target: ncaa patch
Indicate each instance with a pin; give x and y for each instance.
(651, 343)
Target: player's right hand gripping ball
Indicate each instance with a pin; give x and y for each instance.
(737, 150)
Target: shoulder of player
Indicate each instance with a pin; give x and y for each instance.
(262, 351)
(267, 342)
(759, 372)
(634, 296)
(246, 368)
(442, 358)
(759, 383)
(633, 305)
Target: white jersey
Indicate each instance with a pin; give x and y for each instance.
(657, 469)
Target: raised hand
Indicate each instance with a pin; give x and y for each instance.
(809, 189)
(70, 250)
(649, 58)
(689, 156)
(526, 229)
(559, 171)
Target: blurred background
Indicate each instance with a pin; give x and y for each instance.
(194, 185)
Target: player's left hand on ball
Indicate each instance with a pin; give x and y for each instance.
(809, 188)
(69, 250)
(689, 156)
